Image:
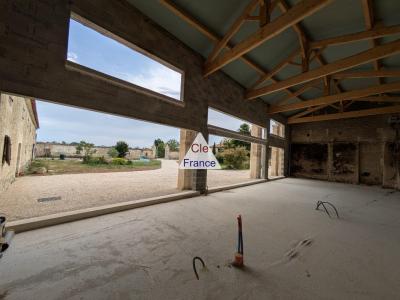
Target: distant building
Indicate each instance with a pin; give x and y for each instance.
(56, 149)
(18, 124)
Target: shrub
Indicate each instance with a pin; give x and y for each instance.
(62, 156)
(119, 161)
(97, 161)
(235, 158)
(113, 152)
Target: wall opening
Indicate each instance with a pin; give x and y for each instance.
(85, 159)
(277, 128)
(99, 50)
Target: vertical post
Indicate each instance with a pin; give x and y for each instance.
(255, 153)
(286, 153)
(185, 141)
(265, 152)
(357, 160)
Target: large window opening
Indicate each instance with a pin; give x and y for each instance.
(99, 50)
(239, 147)
(277, 128)
(85, 159)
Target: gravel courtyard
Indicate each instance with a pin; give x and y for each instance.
(78, 191)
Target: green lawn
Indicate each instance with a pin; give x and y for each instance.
(73, 166)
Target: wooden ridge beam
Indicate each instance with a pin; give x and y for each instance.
(349, 114)
(328, 69)
(355, 37)
(291, 17)
(383, 88)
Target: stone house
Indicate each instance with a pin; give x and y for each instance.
(18, 124)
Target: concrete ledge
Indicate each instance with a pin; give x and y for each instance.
(234, 186)
(59, 218)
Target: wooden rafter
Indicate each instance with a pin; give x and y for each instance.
(348, 114)
(369, 24)
(303, 89)
(308, 111)
(356, 37)
(332, 68)
(215, 38)
(366, 74)
(232, 30)
(275, 70)
(272, 29)
(373, 90)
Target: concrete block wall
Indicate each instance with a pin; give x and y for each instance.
(356, 151)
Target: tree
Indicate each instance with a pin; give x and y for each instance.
(160, 147)
(244, 129)
(173, 145)
(122, 148)
(113, 152)
(87, 149)
(214, 151)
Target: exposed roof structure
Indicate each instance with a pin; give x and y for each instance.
(311, 60)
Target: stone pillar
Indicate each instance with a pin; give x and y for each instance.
(185, 141)
(190, 179)
(255, 153)
(265, 153)
(166, 156)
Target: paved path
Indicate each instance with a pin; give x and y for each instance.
(95, 189)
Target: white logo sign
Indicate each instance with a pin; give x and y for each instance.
(199, 156)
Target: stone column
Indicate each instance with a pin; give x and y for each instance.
(255, 153)
(185, 141)
(190, 179)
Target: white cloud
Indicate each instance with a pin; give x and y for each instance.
(72, 56)
(159, 79)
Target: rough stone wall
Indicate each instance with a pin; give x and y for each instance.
(361, 150)
(16, 121)
(173, 155)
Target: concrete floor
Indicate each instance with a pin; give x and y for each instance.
(78, 191)
(147, 253)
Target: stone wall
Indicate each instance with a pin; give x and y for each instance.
(55, 149)
(359, 150)
(18, 121)
(173, 155)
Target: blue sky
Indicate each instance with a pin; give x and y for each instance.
(93, 50)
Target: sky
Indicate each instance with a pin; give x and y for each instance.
(96, 51)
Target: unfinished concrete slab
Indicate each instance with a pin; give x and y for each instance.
(291, 250)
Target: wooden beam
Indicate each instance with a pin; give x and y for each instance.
(300, 91)
(232, 30)
(355, 37)
(294, 15)
(265, 13)
(350, 114)
(308, 111)
(277, 68)
(215, 38)
(373, 90)
(335, 67)
(381, 98)
(366, 74)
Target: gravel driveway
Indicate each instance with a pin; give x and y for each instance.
(78, 191)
